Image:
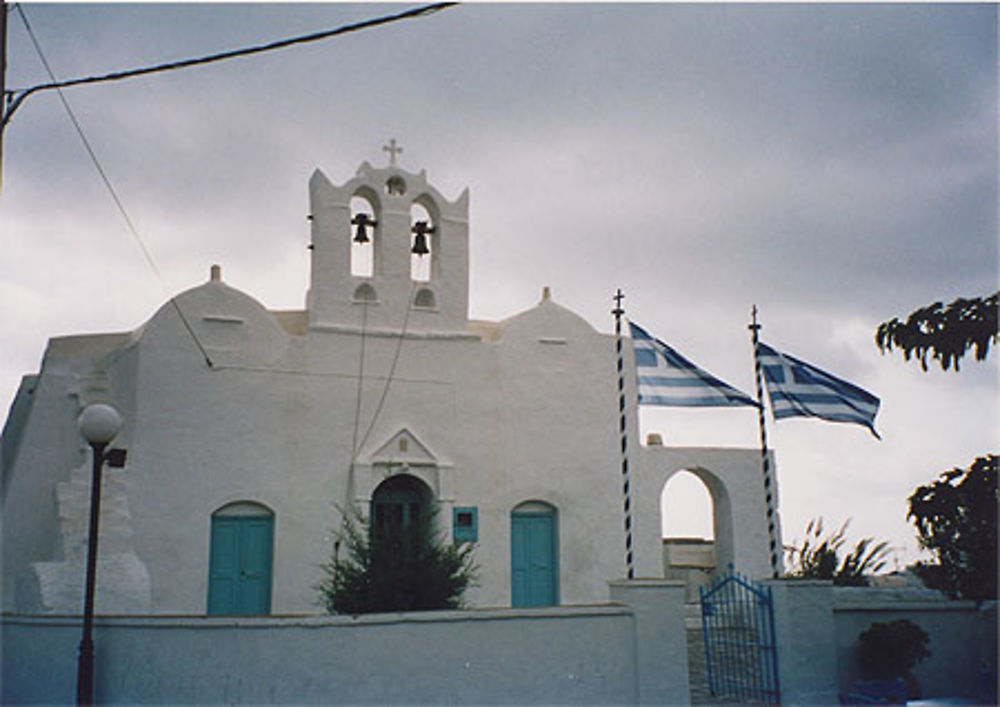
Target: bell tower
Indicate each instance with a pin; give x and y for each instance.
(388, 249)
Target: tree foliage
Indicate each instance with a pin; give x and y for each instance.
(945, 333)
(819, 557)
(956, 518)
(405, 570)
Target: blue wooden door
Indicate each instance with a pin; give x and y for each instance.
(533, 559)
(240, 565)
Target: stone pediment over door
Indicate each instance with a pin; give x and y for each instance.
(402, 448)
(404, 453)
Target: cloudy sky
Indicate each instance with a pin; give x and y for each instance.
(834, 164)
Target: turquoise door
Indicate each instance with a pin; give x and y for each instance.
(240, 565)
(534, 569)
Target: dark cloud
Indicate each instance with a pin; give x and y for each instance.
(835, 164)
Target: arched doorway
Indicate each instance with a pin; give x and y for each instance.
(686, 507)
(400, 503)
(534, 555)
(240, 559)
(697, 528)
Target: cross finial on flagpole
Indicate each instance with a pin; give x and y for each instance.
(619, 296)
(754, 326)
(393, 149)
(770, 495)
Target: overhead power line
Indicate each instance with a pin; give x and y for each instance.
(14, 99)
(107, 183)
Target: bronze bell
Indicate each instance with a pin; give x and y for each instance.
(420, 245)
(420, 231)
(362, 221)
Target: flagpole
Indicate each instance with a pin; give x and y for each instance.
(765, 460)
(623, 433)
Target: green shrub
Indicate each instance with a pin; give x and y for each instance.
(405, 570)
(891, 650)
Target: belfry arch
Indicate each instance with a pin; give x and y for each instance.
(363, 231)
(424, 241)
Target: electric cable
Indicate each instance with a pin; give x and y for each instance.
(107, 183)
(356, 447)
(16, 98)
(392, 368)
(349, 492)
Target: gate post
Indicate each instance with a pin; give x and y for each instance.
(660, 639)
(807, 642)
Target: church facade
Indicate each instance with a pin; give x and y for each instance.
(248, 431)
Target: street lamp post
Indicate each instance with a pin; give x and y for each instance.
(99, 423)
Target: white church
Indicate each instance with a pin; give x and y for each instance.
(247, 429)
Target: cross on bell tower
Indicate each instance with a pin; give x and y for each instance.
(393, 149)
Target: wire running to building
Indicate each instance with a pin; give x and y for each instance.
(108, 185)
(14, 99)
(392, 371)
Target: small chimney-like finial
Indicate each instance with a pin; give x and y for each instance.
(216, 273)
(546, 293)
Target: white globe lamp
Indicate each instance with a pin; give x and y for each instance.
(99, 423)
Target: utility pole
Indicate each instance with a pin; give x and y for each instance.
(3, 78)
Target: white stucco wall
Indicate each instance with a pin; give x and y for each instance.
(632, 652)
(963, 638)
(432, 659)
(734, 481)
(495, 414)
(49, 449)
(504, 422)
(804, 635)
(817, 627)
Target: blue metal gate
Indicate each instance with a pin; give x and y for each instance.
(738, 624)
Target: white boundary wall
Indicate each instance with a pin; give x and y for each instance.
(963, 639)
(817, 627)
(602, 654)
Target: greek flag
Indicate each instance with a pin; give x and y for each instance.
(667, 378)
(797, 388)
